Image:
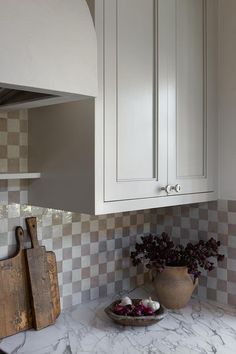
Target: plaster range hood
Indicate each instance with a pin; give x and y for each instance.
(48, 53)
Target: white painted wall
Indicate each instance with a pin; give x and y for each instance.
(227, 99)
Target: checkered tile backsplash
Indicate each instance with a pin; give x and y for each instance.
(13, 155)
(93, 252)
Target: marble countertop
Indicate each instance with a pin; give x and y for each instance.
(202, 327)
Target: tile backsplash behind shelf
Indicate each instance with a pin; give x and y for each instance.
(13, 155)
(93, 252)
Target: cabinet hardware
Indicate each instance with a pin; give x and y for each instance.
(167, 188)
(177, 188)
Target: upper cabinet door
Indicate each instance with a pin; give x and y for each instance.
(191, 94)
(135, 154)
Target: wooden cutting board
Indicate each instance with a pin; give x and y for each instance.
(54, 287)
(15, 309)
(42, 269)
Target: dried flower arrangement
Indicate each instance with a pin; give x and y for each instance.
(159, 251)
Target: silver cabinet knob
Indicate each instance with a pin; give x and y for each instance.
(167, 188)
(177, 188)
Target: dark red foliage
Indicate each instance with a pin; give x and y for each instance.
(159, 251)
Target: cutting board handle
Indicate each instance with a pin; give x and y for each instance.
(20, 237)
(31, 224)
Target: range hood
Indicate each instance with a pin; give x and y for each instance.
(48, 53)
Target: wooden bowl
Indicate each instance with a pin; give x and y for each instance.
(135, 321)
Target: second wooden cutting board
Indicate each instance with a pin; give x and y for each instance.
(42, 304)
(15, 310)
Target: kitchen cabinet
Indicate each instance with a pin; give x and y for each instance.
(149, 139)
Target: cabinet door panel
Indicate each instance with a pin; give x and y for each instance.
(190, 118)
(132, 166)
(135, 98)
(190, 88)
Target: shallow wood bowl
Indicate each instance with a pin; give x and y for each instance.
(134, 321)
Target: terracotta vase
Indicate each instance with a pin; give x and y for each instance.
(173, 286)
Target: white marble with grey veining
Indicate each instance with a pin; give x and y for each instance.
(202, 327)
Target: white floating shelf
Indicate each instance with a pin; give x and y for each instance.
(4, 176)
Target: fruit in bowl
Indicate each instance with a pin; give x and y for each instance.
(127, 307)
(135, 312)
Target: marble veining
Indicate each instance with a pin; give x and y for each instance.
(202, 327)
